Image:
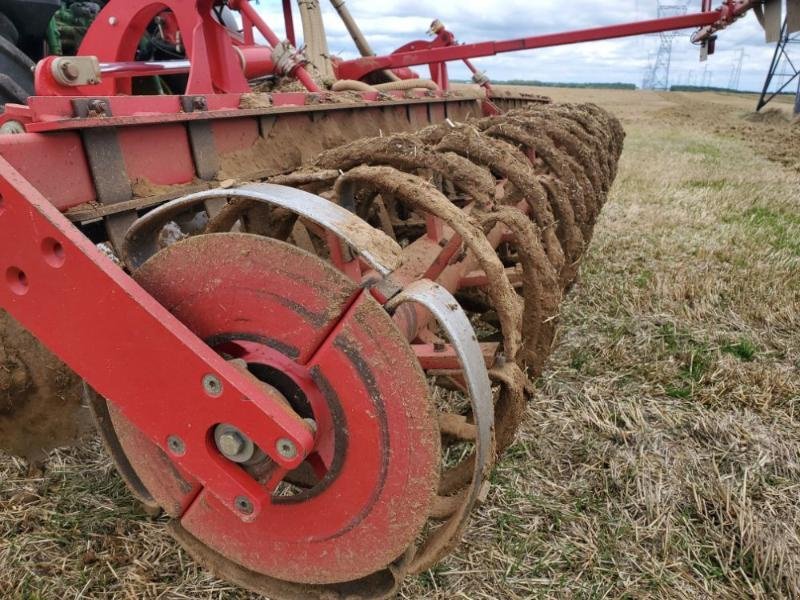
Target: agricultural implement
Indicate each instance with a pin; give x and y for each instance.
(303, 297)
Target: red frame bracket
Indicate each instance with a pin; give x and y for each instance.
(96, 319)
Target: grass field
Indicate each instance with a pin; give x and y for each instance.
(661, 457)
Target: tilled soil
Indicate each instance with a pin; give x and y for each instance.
(40, 398)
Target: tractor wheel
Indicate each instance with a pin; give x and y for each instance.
(8, 30)
(16, 69)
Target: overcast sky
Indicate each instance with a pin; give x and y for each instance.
(390, 24)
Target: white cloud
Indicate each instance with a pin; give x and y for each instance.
(392, 23)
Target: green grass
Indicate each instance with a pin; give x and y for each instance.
(704, 149)
(778, 228)
(744, 349)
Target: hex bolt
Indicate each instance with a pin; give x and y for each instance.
(244, 506)
(212, 386)
(231, 444)
(176, 445)
(286, 448)
(439, 347)
(199, 103)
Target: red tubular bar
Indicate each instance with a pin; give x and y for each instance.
(288, 19)
(359, 68)
(248, 11)
(143, 68)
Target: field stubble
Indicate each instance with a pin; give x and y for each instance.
(661, 457)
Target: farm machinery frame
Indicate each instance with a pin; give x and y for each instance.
(325, 286)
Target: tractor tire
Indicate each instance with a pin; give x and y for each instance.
(8, 30)
(16, 69)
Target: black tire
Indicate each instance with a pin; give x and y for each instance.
(16, 74)
(8, 30)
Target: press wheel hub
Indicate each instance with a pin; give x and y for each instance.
(295, 323)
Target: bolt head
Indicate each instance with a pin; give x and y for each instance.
(286, 448)
(113, 21)
(69, 70)
(231, 444)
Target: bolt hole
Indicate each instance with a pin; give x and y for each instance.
(17, 281)
(54, 254)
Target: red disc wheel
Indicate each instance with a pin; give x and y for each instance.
(363, 496)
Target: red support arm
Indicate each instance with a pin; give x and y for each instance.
(288, 19)
(247, 10)
(164, 379)
(711, 20)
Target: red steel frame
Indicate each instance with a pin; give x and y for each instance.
(216, 57)
(101, 323)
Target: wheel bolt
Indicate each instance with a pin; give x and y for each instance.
(231, 444)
